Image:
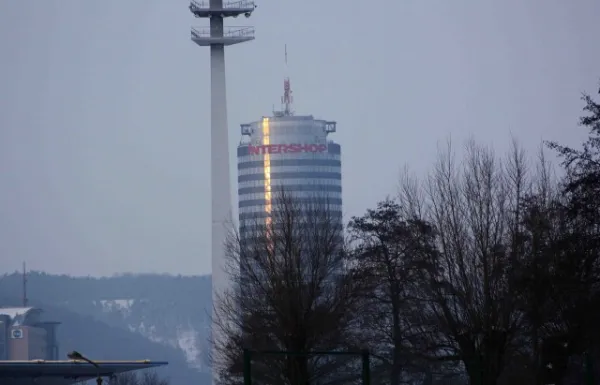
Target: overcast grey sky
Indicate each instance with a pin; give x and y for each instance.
(104, 108)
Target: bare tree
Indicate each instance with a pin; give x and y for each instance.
(469, 300)
(291, 291)
(388, 250)
(144, 378)
(561, 273)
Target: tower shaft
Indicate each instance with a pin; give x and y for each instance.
(219, 158)
(217, 36)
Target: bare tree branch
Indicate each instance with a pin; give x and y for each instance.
(291, 291)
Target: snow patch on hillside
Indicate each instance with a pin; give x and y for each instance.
(116, 305)
(176, 333)
(186, 339)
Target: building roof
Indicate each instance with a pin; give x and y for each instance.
(65, 372)
(20, 316)
(14, 312)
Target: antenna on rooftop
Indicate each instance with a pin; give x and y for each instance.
(25, 301)
(287, 99)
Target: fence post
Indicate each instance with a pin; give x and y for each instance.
(247, 367)
(366, 367)
(589, 369)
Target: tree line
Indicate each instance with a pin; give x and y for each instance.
(146, 377)
(484, 272)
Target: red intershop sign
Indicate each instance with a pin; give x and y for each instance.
(285, 148)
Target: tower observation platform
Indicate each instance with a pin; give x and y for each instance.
(216, 11)
(204, 36)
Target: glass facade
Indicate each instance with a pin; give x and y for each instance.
(290, 154)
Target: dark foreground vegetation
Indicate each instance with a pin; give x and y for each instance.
(139, 378)
(484, 272)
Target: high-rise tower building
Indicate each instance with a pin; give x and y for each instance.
(289, 153)
(217, 36)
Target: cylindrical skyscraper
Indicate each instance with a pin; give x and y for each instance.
(287, 153)
(292, 153)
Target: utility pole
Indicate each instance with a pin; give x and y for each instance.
(25, 300)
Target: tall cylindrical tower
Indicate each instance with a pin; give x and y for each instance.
(289, 152)
(217, 36)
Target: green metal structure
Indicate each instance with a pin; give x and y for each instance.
(364, 354)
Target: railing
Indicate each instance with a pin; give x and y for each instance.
(240, 4)
(228, 32)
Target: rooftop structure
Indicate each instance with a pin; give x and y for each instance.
(21, 315)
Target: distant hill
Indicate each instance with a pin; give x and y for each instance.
(157, 317)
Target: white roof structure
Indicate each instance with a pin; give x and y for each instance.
(13, 312)
(65, 372)
(18, 314)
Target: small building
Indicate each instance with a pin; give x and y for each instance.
(24, 336)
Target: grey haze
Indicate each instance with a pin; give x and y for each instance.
(104, 108)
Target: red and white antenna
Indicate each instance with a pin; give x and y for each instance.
(287, 99)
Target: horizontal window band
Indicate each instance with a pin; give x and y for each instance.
(290, 162)
(333, 215)
(316, 200)
(334, 226)
(292, 175)
(291, 188)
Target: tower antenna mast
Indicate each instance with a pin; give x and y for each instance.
(216, 36)
(287, 99)
(25, 300)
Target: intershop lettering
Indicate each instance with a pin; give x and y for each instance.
(285, 148)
